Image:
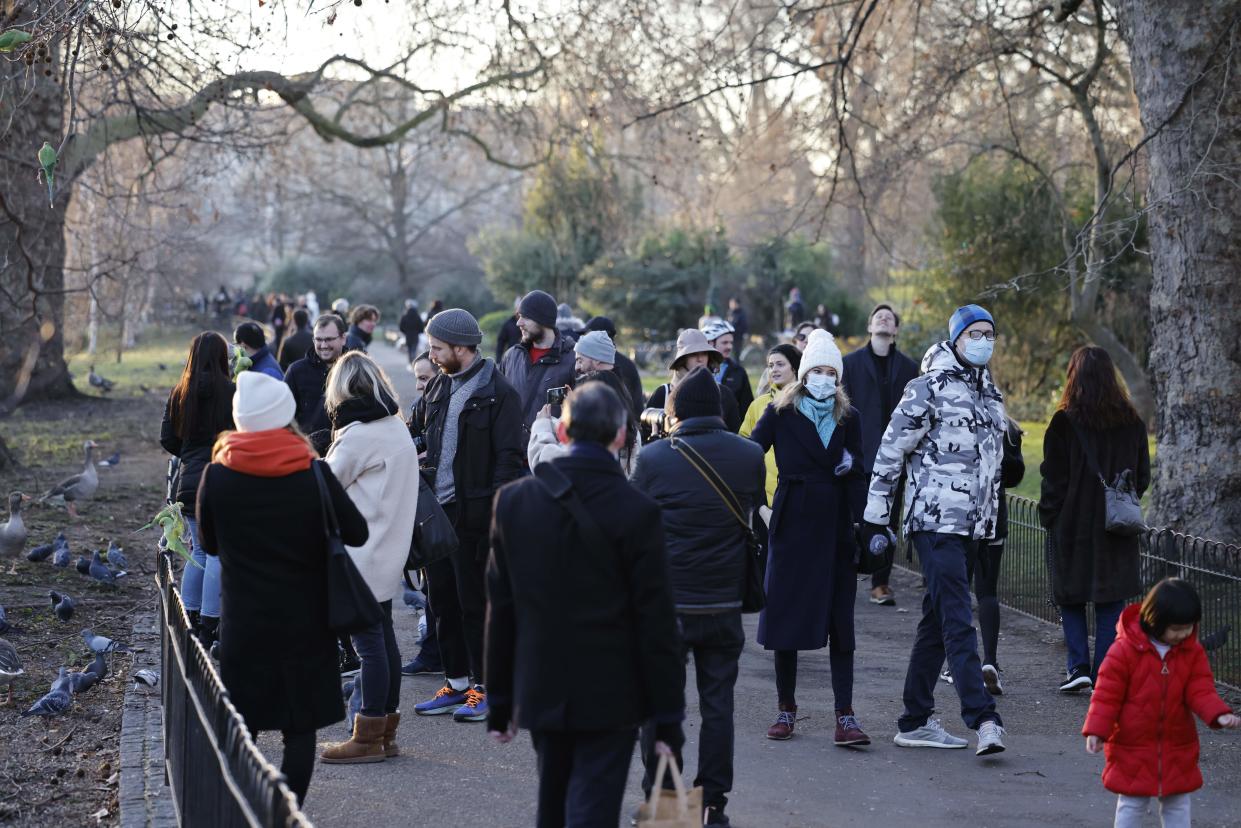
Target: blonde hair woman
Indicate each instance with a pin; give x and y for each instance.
(375, 460)
(811, 575)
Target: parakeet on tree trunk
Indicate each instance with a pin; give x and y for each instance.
(47, 160)
(13, 38)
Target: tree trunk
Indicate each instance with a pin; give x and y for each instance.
(32, 238)
(1186, 61)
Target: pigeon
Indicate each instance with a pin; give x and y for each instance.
(116, 556)
(10, 668)
(148, 677)
(62, 681)
(92, 675)
(61, 556)
(54, 703)
(110, 462)
(13, 534)
(40, 553)
(1217, 639)
(83, 566)
(62, 604)
(78, 486)
(101, 644)
(100, 572)
(96, 381)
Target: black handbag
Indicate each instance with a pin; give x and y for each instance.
(1122, 510)
(753, 597)
(351, 606)
(434, 536)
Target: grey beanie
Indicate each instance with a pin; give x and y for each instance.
(598, 346)
(539, 306)
(456, 327)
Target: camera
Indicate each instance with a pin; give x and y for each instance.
(555, 396)
(655, 421)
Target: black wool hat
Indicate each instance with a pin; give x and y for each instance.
(539, 306)
(602, 323)
(696, 395)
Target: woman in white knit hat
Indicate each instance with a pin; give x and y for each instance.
(811, 572)
(259, 512)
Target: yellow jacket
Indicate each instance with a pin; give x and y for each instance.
(752, 416)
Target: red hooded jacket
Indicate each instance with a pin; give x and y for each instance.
(1143, 708)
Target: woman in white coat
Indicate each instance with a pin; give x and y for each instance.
(375, 460)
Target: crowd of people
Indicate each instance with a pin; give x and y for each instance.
(605, 538)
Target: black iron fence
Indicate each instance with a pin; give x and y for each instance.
(1214, 568)
(217, 775)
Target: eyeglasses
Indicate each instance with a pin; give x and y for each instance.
(328, 341)
(977, 335)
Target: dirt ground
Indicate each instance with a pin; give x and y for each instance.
(63, 771)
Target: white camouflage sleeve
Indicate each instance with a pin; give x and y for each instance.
(909, 424)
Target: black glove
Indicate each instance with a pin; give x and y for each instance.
(499, 717)
(876, 539)
(671, 735)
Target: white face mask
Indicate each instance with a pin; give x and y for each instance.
(820, 386)
(978, 351)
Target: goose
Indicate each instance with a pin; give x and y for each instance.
(10, 668)
(13, 534)
(79, 486)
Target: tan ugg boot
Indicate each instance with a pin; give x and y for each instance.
(390, 748)
(367, 744)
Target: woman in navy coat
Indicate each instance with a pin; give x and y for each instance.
(811, 578)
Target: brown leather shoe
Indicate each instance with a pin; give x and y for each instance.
(883, 596)
(366, 744)
(848, 731)
(782, 730)
(390, 748)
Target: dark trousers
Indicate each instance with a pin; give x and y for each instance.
(715, 642)
(841, 664)
(582, 776)
(1076, 633)
(986, 580)
(457, 591)
(298, 762)
(381, 666)
(946, 628)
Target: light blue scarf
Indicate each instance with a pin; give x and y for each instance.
(821, 413)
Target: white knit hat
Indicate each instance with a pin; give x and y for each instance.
(262, 403)
(821, 352)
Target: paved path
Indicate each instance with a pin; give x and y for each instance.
(452, 774)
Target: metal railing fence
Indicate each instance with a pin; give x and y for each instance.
(217, 775)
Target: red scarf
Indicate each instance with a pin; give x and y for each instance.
(273, 453)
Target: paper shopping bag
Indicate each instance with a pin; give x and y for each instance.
(677, 808)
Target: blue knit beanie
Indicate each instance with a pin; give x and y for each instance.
(964, 317)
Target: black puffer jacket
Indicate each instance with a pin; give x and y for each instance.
(194, 452)
(490, 441)
(706, 546)
(554, 369)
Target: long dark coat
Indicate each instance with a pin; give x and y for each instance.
(811, 576)
(278, 658)
(1087, 563)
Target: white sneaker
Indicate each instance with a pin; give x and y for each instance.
(930, 735)
(990, 739)
(991, 678)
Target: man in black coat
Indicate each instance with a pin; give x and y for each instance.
(411, 326)
(576, 613)
(307, 379)
(543, 359)
(875, 377)
(470, 418)
(509, 334)
(624, 366)
(707, 549)
(298, 343)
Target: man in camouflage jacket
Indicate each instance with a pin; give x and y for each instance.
(947, 436)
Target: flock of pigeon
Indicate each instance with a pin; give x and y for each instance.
(105, 568)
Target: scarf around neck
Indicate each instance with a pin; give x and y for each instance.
(272, 453)
(821, 413)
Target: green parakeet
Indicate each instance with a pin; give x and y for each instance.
(170, 520)
(47, 160)
(13, 38)
(241, 362)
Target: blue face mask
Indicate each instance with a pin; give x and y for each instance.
(820, 386)
(978, 351)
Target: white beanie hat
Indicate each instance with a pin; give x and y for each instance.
(821, 352)
(262, 403)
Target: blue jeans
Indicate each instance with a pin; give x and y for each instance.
(200, 585)
(946, 628)
(1076, 635)
(381, 666)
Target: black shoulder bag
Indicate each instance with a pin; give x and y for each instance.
(753, 599)
(434, 536)
(1122, 513)
(351, 606)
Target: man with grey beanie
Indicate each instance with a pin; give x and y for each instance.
(470, 419)
(595, 352)
(542, 360)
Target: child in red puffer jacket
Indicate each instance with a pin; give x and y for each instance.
(1153, 679)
